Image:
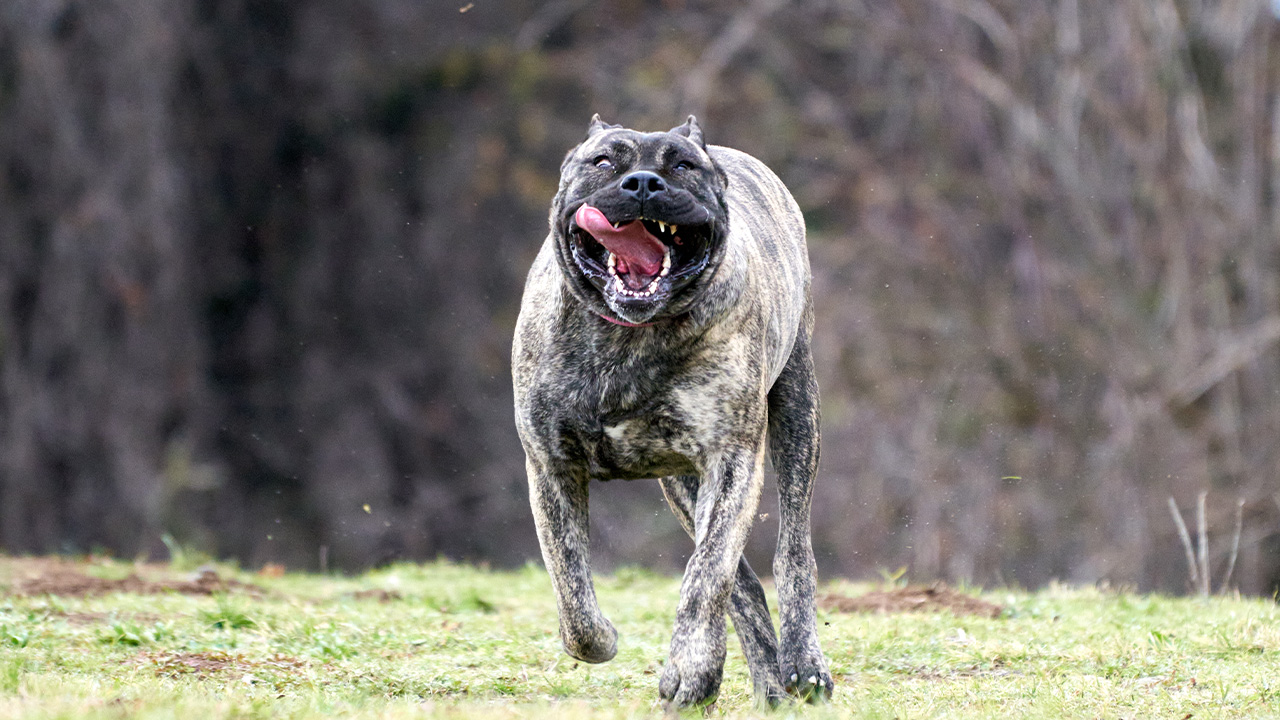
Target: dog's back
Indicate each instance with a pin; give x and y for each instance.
(767, 231)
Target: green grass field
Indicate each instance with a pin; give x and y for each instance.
(110, 639)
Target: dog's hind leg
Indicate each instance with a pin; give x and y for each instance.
(793, 447)
(560, 514)
(747, 604)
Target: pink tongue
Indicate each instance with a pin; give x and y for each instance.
(637, 249)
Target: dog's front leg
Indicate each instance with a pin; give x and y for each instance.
(727, 500)
(747, 605)
(559, 503)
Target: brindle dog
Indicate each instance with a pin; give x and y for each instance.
(665, 333)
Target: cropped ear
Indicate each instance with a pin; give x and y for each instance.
(692, 130)
(598, 125)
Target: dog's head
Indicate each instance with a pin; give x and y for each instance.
(639, 219)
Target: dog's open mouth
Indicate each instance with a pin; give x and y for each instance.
(638, 259)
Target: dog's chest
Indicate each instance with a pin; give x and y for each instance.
(653, 445)
(613, 426)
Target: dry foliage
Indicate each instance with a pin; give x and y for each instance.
(261, 263)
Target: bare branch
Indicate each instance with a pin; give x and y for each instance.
(1186, 540)
(1235, 546)
(718, 55)
(1203, 550)
(544, 20)
(1234, 354)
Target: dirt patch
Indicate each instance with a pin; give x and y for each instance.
(65, 580)
(915, 598)
(382, 596)
(204, 664)
(81, 618)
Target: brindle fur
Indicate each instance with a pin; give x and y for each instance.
(723, 375)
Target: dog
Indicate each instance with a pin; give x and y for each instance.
(665, 333)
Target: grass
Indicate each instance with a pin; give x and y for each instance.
(452, 641)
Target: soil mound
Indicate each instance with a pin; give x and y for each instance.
(55, 578)
(915, 598)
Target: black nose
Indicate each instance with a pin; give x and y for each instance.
(643, 185)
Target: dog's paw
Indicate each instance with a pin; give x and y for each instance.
(598, 645)
(694, 668)
(807, 679)
(771, 698)
(690, 683)
(767, 689)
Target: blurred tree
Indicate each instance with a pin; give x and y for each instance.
(260, 261)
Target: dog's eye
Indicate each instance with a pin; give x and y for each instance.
(603, 161)
(685, 166)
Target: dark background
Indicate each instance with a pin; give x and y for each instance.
(260, 261)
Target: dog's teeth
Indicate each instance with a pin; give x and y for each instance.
(662, 226)
(794, 677)
(613, 264)
(624, 290)
(813, 680)
(673, 229)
